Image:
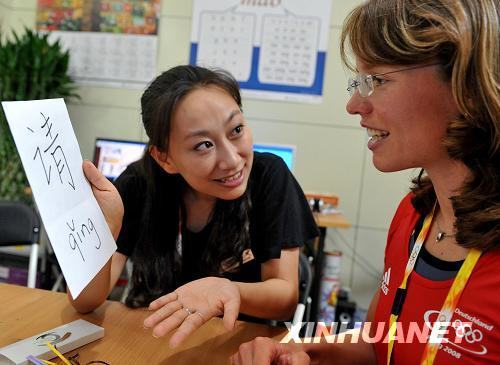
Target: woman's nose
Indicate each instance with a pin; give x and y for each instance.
(229, 157)
(358, 105)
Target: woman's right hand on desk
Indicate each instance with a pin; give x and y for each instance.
(191, 305)
(265, 351)
(107, 196)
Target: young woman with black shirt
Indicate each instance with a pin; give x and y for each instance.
(211, 227)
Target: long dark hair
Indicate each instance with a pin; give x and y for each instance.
(156, 262)
(463, 35)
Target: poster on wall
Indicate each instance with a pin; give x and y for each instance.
(276, 49)
(111, 42)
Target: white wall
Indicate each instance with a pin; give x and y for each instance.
(5, 9)
(331, 147)
(14, 14)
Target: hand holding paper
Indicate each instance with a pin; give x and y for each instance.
(52, 160)
(107, 196)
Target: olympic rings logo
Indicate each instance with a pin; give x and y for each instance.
(465, 331)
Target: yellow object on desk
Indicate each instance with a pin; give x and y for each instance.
(59, 355)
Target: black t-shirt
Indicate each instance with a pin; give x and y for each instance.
(280, 217)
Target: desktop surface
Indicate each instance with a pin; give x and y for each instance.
(27, 312)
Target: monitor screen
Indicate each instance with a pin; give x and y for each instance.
(111, 156)
(287, 153)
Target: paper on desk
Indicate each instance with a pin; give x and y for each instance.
(52, 160)
(66, 337)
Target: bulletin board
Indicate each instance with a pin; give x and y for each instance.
(276, 49)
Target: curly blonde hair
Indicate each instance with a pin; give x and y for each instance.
(463, 36)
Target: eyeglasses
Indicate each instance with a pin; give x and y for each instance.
(366, 83)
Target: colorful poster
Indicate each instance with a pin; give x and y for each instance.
(276, 49)
(112, 16)
(111, 42)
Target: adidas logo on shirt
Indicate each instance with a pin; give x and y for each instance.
(385, 281)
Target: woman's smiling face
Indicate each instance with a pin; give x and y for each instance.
(406, 116)
(210, 144)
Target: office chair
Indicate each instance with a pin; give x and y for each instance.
(303, 309)
(20, 225)
(305, 283)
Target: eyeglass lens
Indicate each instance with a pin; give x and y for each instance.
(361, 82)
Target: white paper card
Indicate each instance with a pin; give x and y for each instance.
(66, 338)
(52, 160)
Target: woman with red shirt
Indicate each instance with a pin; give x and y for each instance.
(426, 87)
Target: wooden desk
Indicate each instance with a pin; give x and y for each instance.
(323, 221)
(336, 220)
(27, 312)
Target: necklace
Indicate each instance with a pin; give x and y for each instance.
(441, 235)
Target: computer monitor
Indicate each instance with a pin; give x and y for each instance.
(112, 156)
(286, 152)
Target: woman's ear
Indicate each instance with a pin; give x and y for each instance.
(163, 160)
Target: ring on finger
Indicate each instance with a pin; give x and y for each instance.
(190, 311)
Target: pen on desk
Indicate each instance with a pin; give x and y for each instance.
(56, 351)
(34, 360)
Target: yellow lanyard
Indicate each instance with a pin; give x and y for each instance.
(450, 302)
